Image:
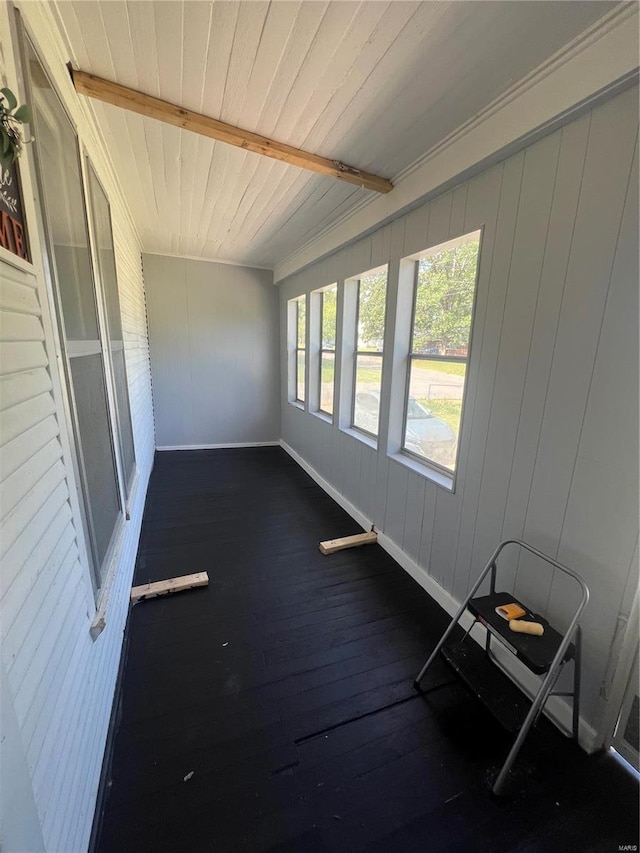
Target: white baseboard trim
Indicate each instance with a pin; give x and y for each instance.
(353, 511)
(217, 446)
(555, 708)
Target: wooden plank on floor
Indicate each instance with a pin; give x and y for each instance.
(330, 546)
(153, 590)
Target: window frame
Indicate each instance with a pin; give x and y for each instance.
(430, 464)
(126, 483)
(297, 349)
(376, 353)
(331, 350)
(98, 570)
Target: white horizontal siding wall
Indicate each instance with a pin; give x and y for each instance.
(59, 682)
(549, 448)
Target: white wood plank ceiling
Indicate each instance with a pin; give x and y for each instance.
(374, 84)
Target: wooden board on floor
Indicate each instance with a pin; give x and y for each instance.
(330, 546)
(153, 590)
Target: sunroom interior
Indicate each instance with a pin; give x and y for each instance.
(274, 273)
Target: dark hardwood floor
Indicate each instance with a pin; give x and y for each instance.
(275, 709)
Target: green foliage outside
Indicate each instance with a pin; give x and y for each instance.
(442, 322)
(444, 302)
(368, 375)
(301, 321)
(371, 310)
(444, 299)
(329, 310)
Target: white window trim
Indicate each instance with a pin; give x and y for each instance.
(97, 583)
(293, 350)
(331, 350)
(45, 288)
(303, 401)
(101, 306)
(439, 474)
(111, 563)
(360, 435)
(316, 352)
(349, 366)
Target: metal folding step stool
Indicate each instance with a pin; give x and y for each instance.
(545, 656)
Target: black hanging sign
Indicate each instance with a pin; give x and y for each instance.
(13, 229)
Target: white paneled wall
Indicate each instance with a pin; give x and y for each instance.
(549, 448)
(58, 683)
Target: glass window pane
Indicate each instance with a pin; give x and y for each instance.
(372, 297)
(60, 167)
(75, 282)
(105, 254)
(107, 268)
(91, 405)
(302, 316)
(327, 368)
(444, 299)
(329, 305)
(63, 200)
(300, 377)
(366, 407)
(124, 413)
(434, 410)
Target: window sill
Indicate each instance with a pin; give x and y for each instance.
(445, 481)
(99, 621)
(323, 416)
(361, 436)
(297, 405)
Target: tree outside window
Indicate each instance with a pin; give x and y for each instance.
(372, 297)
(444, 294)
(328, 305)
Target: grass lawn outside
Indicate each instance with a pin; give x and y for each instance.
(454, 368)
(448, 411)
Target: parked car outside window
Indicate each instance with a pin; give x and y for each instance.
(426, 434)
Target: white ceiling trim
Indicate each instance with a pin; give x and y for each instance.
(208, 260)
(592, 34)
(603, 54)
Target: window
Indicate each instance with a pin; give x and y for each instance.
(297, 348)
(443, 301)
(86, 355)
(106, 266)
(327, 361)
(370, 321)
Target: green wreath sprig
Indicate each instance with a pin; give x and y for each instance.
(12, 117)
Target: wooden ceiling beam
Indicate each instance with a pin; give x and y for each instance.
(147, 105)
